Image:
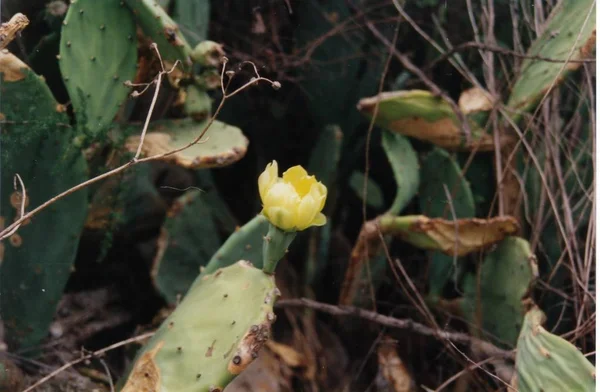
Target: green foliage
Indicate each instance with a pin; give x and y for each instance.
(162, 30)
(493, 298)
(405, 165)
(374, 192)
(324, 165)
(37, 144)
(198, 104)
(546, 362)
(444, 188)
(193, 18)
(98, 53)
(221, 145)
(245, 244)
(568, 33)
(216, 332)
(338, 76)
(189, 237)
(442, 178)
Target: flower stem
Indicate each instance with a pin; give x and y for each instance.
(275, 246)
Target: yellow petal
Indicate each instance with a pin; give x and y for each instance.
(280, 217)
(319, 193)
(299, 178)
(281, 194)
(306, 212)
(319, 220)
(267, 178)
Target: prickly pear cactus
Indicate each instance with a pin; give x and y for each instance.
(245, 244)
(188, 239)
(212, 336)
(493, 301)
(566, 31)
(440, 170)
(197, 104)
(405, 165)
(161, 29)
(193, 17)
(549, 363)
(36, 260)
(422, 115)
(222, 145)
(98, 53)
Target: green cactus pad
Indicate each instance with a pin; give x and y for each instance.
(495, 304)
(459, 237)
(421, 115)
(245, 244)
(37, 260)
(188, 239)
(549, 363)
(221, 145)
(374, 193)
(193, 17)
(162, 30)
(561, 36)
(98, 53)
(440, 170)
(405, 164)
(214, 334)
(198, 104)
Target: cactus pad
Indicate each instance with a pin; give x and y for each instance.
(212, 336)
(221, 146)
(36, 261)
(162, 30)
(496, 303)
(405, 164)
(188, 239)
(462, 236)
(246, 244)
(193, 17)
(98, 53)
(549, 363)
(420, 114)
(441, 173)
(561, 35)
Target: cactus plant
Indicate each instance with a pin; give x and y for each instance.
(459, 237)
(493, 299)
(546, 362)
(422, 115)
(405, 166)
(442, 177)
(324, 161)
(197, 349)
(94, 69)
(192, 16)
(567, 30)
(188, 239)
(162, 30)
(222, 145)
(244, 244)
(37, 144)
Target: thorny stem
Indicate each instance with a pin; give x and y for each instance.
(15, 225)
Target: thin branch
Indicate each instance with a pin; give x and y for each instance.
(501, 50)
(10, 229)
(393, 322)
(94, 354)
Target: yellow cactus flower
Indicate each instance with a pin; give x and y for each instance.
(292, 202)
